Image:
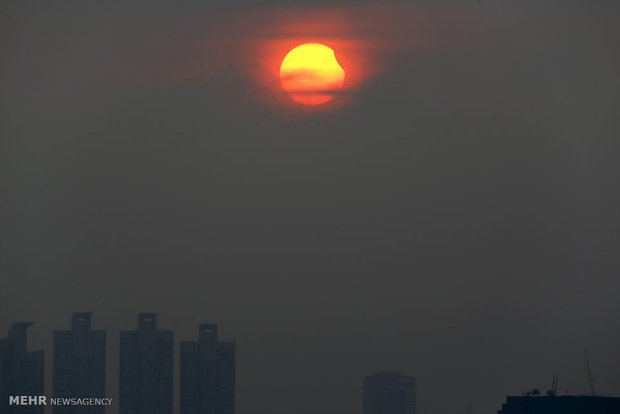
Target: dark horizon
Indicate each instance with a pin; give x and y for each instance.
(112, 374)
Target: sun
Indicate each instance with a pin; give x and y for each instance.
(310, 74)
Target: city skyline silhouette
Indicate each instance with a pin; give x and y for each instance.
(146, 381)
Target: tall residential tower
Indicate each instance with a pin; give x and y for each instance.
(389, 393)
(21, 372)
(146, 364)
(79, 365)
(207, 374)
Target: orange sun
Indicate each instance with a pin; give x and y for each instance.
(310, 74)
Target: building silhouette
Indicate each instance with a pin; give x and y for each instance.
(565, 404)
(146, 365)
(21, 372)
(79, 365)
(207, 374)
(389, 393)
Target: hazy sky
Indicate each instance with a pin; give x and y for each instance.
(453, 214)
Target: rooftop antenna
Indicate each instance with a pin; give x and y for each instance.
(554, 386)
(590, 377)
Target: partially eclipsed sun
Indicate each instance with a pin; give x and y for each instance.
(310, 74)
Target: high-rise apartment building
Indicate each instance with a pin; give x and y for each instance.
(79, 365)
(207, 374)
(389, 393)
(21, 372)
(146, 368)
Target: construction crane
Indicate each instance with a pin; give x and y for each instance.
(590, 377)
(554, 386)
